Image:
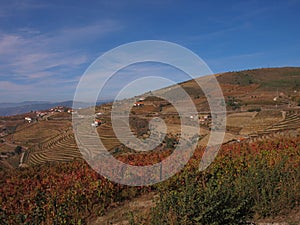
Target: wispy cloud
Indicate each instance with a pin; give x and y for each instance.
(9, 86)
(13, 7)
(28, 52)
(22, 57)
(50, 89)
(29, 56)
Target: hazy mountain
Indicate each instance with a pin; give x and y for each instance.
(19, 104)
(8, 109)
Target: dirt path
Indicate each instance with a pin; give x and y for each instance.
(120, 215)
(289, 218)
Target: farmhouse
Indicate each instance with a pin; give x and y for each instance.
(96, 123)
(28, 119)
(137, 104)
(41, 114)
(140, 102)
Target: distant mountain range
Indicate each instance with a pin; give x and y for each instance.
(9, 109)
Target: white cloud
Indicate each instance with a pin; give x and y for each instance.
(49, 89)
(30, 52)
(13, 7)
(87, 32)
(29, 56)
(9, 86)
(8, 43)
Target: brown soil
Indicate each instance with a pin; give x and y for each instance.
(139, 207)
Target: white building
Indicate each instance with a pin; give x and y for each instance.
(28, 119)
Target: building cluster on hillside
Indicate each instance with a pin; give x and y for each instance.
(96, 123)
(57, 109)
(35, 116)
(28, 119)
(62, 109)
(140, 102)
(204, 118)
(71, 111)
(41, 114)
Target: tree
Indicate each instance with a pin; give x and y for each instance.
(18, 150)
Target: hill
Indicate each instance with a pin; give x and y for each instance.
(249, 96)
(257, 87)
(255, 175)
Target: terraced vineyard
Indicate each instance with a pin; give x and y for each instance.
(288, 126)
(63, 146)
(108, 137)
(60, 148)
(291, 121)
(32, 134)
(260, 121)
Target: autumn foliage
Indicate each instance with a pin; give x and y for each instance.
(246, 180)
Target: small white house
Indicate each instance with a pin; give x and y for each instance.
(28, 119)
(202, 120)
(137, 104)
(96, 123)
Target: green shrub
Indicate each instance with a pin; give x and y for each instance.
(232, 191)
(254, 110)
(192, 203)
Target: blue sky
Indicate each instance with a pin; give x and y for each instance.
(45, 46)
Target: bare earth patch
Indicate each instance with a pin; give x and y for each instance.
(120, 215)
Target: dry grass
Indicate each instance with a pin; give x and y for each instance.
(40, 132)
(261, 121)
(240, 119)
(139, 207)
(5, 147)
